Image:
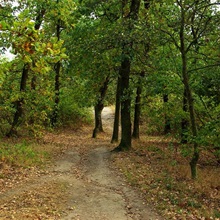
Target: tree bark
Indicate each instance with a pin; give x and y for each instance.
(57, 69)
(98, 120)
(184, 122)
(54, 118)
(125, 143)
(99, 107)
(137, 111)
(117, 112)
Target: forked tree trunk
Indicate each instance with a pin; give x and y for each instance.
(117, 112)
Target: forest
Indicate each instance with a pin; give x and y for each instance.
(156, 62)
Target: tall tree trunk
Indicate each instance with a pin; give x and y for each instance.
(124, 73)
(57, 69)
(195, 157)
(117, 112)
(99, 107)
(184, 122)
(125, 143)
(167, 126)
(137, 110)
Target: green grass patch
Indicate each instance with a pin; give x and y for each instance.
(22, 154)
(216, 213)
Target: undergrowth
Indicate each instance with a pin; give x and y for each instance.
(160, 168)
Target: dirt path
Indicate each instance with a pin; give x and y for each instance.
(80, 185)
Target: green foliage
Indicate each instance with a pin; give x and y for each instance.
(71, 108)
(38, 50)
(209, 137)
(216, 214)
(154, 113)
(73, 115)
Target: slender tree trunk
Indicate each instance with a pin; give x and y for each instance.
(99, 107)
(195, 157)
(184, 122)
(117, 112)
(167, 126)
(57, 69)
(137, 111)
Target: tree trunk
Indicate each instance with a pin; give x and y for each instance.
(117, 112)
(167, 126)
(137, 111)
(125, 143)
(99, 107)
(195, 157)
(124, 73)
(57, 69)
(98, 119)
(54, 118)
(19, 103)
(184, 122)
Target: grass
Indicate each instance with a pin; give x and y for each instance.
(159, 167)
(22, 154)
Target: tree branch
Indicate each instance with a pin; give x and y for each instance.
(172, 37)
(204, 67)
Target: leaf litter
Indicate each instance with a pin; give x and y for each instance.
(152, 168)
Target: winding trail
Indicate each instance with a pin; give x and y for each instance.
(92, 189)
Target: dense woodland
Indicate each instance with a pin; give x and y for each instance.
(158, 62)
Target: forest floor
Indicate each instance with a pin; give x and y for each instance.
(79, 182)
(82, 179)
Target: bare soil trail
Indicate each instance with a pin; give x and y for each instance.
(80, 184)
